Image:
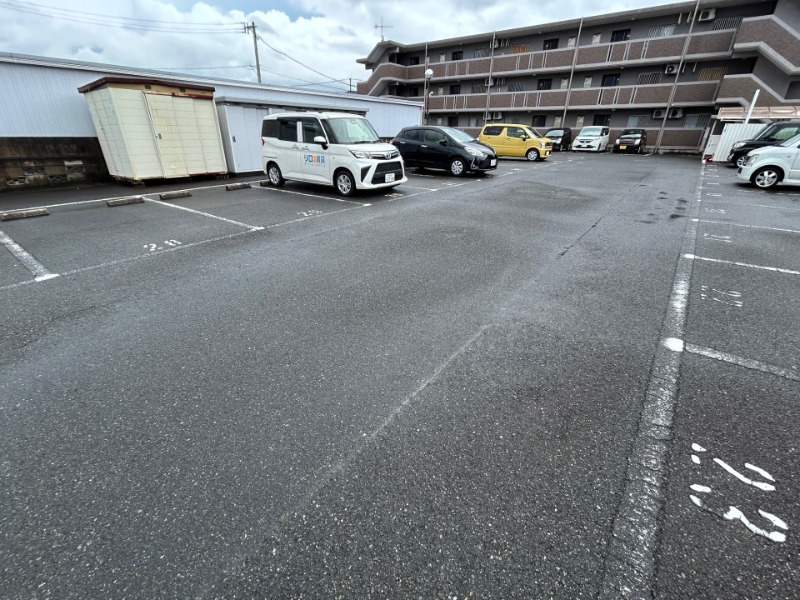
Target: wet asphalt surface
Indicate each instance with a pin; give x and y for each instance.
(428, 393)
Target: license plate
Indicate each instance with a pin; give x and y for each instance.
(623, 147)
(389, 177)
(493, 162)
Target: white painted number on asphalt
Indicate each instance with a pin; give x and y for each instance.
(724, 297)
(310, 213)
(716, 210)
(156, 247)
(710, 502)
(717, 238)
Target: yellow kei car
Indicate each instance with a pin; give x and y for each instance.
(511, 139)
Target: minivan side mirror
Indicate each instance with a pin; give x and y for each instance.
(443, 142)
(321, 140)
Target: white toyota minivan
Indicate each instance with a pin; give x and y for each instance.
(337, 149)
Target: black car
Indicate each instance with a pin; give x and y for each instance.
(561, 138)
(772, 135)
(631, 140)
(444, 148)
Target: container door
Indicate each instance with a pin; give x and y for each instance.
(167, 135)
(202, 143)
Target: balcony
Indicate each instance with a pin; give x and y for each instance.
(600, 56)
(698, 93)
(740, 89)
(769, 37)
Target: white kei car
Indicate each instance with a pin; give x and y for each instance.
(768, 166)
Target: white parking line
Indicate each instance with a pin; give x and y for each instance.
(741, 264)
(756, 205)
(315, 196)
(743, 362)
(204, 214)
(37, 269)
(748, 226)
(630, 566)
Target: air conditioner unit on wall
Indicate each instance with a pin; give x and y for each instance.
(671, 69)
(675, 113)
(489, 82)
(659, 113)
(707, 14)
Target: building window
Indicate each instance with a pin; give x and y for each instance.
(475, 121)
(452, 121)
(638, 121)
(602, 120)
(557, 121)
(414, 60)
(564, 83)
(515, 86)
(621, 35)
(571, 41)
(480, 53)
(596, 38)
(545, 84)
(458, 55)
(520, 48)
(697, 121)
(442, 57)
(610, 80)
(649, 78)
(455, 89)
(478, 88)
(661, 31)
(413, 92)
(579, 121)
(539, 120)
(712, 74)
(550, 44)
(587, 81)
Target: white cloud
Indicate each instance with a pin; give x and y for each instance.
(329, 38)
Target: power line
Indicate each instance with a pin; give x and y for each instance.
(122, 22)
(297, 61)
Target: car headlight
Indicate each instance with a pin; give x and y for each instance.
(637, 142)
(474, 152)
(359, 153)
(751, 158)
(557, 140)
(737, 145)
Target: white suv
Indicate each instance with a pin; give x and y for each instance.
(769, 166)
(337, 149)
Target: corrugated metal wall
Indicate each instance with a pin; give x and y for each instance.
(40, 100)
(732, 133)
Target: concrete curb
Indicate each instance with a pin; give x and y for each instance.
(124, 201)
(237, 186)
(24, 214)
(171, 195)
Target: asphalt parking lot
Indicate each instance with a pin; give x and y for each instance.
(570, 378)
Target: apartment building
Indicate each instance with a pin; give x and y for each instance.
(667, 68)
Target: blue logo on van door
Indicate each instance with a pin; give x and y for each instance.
(317, 160)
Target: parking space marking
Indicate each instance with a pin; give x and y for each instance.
(741, 264)
(301, 219)
(37, 269)
(630, 566)
(204, 214)
(756, 205)
(748, 363)
(748, 226)
(413, 187)
(316, 196)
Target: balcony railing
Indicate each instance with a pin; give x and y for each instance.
(686, 94)
(664, 49)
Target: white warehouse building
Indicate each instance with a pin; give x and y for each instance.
(47, 136)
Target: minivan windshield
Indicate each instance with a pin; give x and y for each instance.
(791, 142)
(350, 130)
(631, 133)
(555, 133)
(766, 133)
(458, 135)
(592, 131)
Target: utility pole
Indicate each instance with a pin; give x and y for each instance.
(247, 29)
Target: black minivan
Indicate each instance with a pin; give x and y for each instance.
(561, 137)
(446, 148)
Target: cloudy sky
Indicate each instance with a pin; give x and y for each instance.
(303, 42)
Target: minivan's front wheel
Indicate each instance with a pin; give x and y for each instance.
(741, 160)
(532, 154)
(345, 184)
(275, 175)
(457, 167)
(767, 177)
